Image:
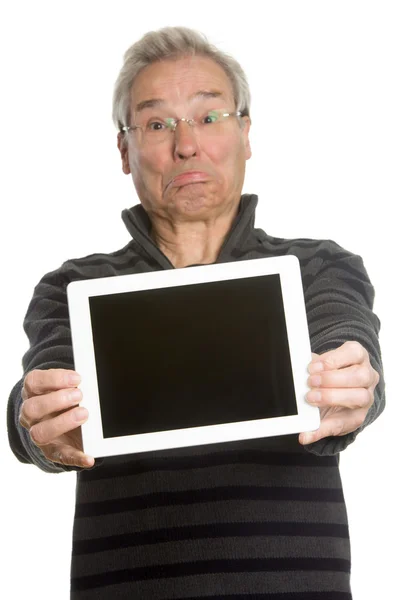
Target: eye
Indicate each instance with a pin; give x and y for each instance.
(155, 126)
(211, 117)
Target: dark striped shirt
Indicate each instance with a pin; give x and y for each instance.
(242, 520)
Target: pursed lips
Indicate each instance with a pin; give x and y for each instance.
(188, 177)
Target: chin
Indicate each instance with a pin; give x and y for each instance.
(195, 205)
(195, 201)
(196, 195)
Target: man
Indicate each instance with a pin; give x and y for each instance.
(259, 518)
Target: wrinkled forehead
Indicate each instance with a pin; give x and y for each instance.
(180, 82)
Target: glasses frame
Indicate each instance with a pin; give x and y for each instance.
(174, 122)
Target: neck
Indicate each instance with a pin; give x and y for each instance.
(192, 242)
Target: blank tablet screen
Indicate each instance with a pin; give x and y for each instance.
(192, 355)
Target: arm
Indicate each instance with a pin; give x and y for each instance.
(47, 327)
(339, 301)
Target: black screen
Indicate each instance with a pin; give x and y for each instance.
(192, 355)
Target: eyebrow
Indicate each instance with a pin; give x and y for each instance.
(159, 101)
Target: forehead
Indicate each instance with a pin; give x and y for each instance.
(178, 80)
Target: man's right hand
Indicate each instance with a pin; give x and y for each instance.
(51, 414)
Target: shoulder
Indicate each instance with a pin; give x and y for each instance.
(311, 253)
(320, 259)
(303, 248)
(93, 266)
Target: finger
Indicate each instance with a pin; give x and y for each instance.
(69, 456)
(45, 432)
(40, 381)
(338, 424)
(343, 397)
(348, 377)
(349, 353)
(314, 361)
(37, 408)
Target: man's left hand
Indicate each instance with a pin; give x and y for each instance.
(342, 383)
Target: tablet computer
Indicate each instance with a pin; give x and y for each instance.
(197, 355)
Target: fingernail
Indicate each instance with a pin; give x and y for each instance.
(315, 381)
(307, 438)
(74, 379)
(75, 395)
(80, 414)
(89, 461)
(313, 397)
(316, 367)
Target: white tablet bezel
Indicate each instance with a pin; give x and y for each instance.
(79, 292)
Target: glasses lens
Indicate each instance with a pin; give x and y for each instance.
(156, 129)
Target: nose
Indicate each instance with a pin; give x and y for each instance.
(185, 143)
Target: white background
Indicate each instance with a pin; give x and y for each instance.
(324, 78)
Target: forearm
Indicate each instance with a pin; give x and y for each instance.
(47, 327)
(339, 309)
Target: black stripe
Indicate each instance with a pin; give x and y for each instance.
(48, 292)
(330, 343)
(331, 319)
(202, 567)
(277, 596)
(282, 246)
(335, 309)
(250, 253)
(130, 262)
(330, 258)
(47, 331)
(341, 280)
(126, 255)
(335, 296)
(60, 312)
(56, 364)
(220, 530)
(286, 244)
(213, 459)
(57, 351)
(218, 494)
(356, 273)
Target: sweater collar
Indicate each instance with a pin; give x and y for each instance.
(138, 224)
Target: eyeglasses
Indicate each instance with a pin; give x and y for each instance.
(157, 130)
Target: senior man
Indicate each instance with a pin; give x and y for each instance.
(251, 519)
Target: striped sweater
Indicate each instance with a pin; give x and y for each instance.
(242, 520)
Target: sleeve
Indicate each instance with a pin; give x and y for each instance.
(47, 326)
(339, 301)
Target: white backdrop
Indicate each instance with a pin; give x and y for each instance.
(324, 78)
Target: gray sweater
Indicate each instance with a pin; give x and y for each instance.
(251, 519)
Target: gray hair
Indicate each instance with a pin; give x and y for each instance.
(173, 43)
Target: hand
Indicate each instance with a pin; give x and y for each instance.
(52, 417)
(342, 383)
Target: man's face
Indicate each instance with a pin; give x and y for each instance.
(221, 158)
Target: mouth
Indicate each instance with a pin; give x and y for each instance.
(189, 177)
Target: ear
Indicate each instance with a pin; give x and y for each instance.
(123, 148)
(246, 130)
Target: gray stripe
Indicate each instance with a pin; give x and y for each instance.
(211, 549)
(222, 583)
(118, 266)
(234, 511)
(209, 477)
